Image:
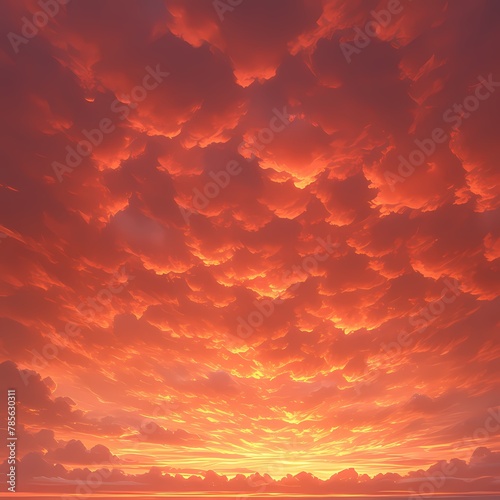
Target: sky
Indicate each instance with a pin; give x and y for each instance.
(250, 245)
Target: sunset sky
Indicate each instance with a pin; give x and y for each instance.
(250, 236)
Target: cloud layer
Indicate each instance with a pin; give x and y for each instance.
(259, 238)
